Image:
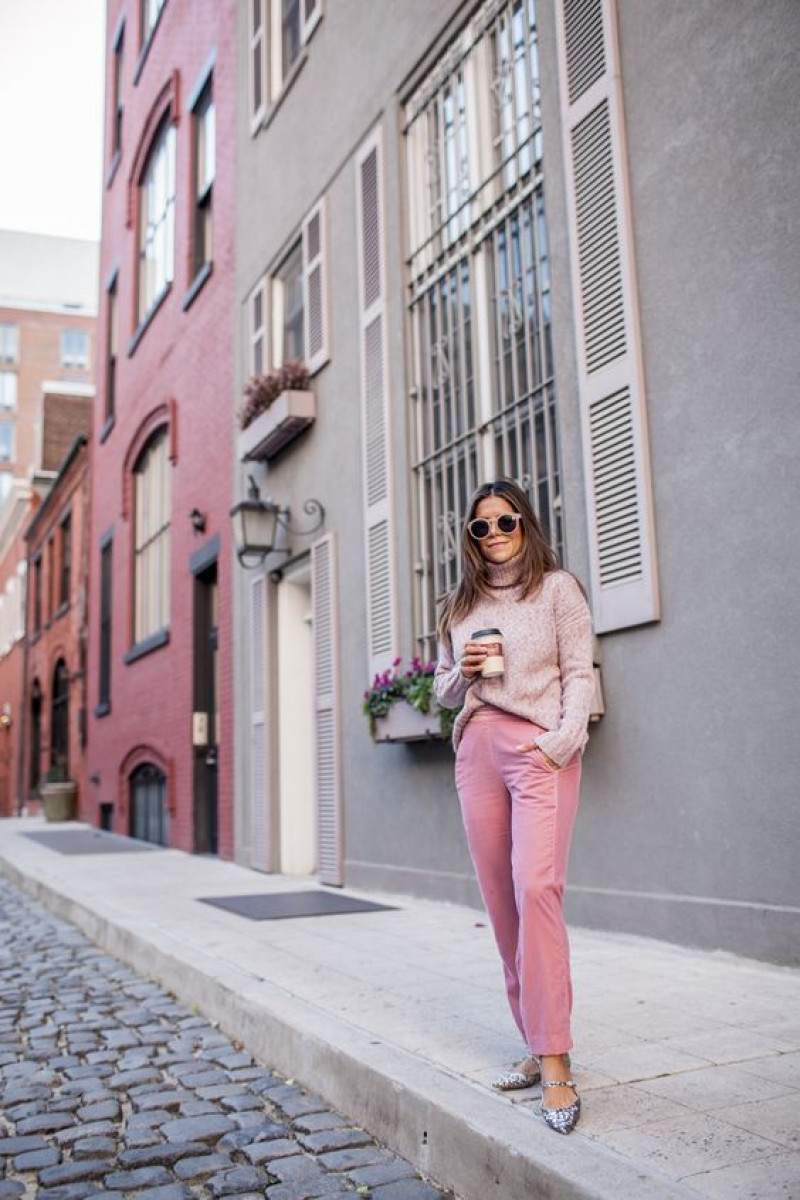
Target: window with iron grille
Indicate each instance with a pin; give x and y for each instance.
(151, 539)
(479, 290)
(204, 169)
(148, 805)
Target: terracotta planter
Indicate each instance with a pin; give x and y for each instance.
(403, 723)
(283, 421)
(59, 800)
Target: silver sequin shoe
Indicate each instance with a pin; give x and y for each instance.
(510, 1081)
(563, 1120)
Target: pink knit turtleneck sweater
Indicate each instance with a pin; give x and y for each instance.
(547, 643)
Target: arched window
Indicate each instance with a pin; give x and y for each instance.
(148, 805)
(152, 505)
(59, 718)
(36, 736)
(157, 220)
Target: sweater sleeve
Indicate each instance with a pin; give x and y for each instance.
(450, 687)
(574, 638)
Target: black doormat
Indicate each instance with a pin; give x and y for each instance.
(89, 841)
(274, 906)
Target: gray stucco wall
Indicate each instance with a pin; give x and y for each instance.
(689, 823)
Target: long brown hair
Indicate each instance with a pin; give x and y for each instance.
(536, 559)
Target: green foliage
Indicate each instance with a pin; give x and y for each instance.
(414, 686)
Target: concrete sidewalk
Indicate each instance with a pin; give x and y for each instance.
(688, 1062)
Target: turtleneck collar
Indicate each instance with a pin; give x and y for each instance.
(504, 575)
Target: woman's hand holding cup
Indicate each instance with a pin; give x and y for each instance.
(472, 660)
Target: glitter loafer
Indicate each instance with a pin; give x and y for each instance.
(510, 1081)
(563, 1120)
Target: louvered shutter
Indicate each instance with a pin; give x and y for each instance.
(311, 11)
(315, 296)
(327, 755)
(610, 370)
(261, 851)
(381, 604)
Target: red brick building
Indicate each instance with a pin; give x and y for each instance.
(14, 514)
(53, 726)
(159, 675)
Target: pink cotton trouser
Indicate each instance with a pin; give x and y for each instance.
(519, 816)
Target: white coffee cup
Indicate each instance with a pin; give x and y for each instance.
(493, 664)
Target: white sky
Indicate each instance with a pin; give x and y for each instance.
(51, 116)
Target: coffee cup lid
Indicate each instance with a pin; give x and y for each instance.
(486, 632)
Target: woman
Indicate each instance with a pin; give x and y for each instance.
(518, 741)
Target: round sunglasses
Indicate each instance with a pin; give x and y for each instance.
(480, 527)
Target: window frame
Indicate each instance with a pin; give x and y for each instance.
(151, 586)
(105, 626)
(9, 332)
(112, 348)
(277, 304)
(65, 561)
(8, 375)
(148, 299)
(202, 104)
(11, 457)
(70, 360)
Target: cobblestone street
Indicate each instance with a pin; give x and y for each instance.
(108, 1087)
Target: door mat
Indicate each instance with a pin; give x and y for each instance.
(275, 906)
(89, 841)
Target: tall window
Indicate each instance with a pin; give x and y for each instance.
(65, 573)
(104, 682)
(150, 13)
(37, 593)
(51, 577)
(119, 59)
(36, 737)
(112, 347)
(204, 165)
(290, 34)
(257, 328)
(287, 308)
(157, 220)
(9, 342)
(151, 539)
(6, 441)
(6, 479)
(479, 289)
(8, 391)
(59, 718)
(75, 348)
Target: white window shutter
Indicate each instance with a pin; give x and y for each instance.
(315, 292)
(257, 67)
(610, 369)
(375, 410)
(327, 734)
(310, 13)
(260, 823)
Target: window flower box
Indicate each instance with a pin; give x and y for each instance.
(402, 708)
(286, 418)
(403, 723)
